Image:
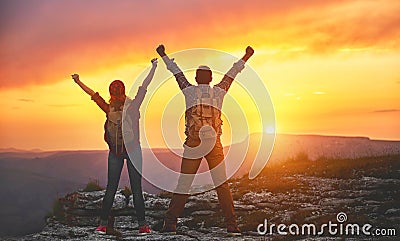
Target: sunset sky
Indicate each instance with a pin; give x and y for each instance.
(331, 67)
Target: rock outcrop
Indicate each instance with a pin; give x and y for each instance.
(370, 195)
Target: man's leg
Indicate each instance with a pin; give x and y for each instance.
(115, 165)
(177, 204)
(215, 160)
(135, 178)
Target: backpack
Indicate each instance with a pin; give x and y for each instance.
(205, 114)
(114, 130)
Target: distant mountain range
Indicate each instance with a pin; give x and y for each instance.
(31, 180)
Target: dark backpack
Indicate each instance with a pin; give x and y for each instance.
(204, 114)
(114, 130)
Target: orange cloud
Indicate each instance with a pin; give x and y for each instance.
(345, 48)
(45, 41)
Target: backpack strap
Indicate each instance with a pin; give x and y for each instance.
(199, 103)
(212, 110)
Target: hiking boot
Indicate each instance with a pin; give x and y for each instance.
(168, 227)
(101, 229)
(112, 231)
(233, 230)
(144, 230)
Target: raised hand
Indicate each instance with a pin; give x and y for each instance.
(88, 90)
(150, 76)
(154, 62)
(249, 53)
(75, 77)
(249, 50)
(161, 50)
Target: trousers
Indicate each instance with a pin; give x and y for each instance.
(190, 166)
(115, 164)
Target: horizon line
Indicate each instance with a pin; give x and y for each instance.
(39, 150)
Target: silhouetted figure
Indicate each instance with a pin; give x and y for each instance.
(202, 120)
(117, 151)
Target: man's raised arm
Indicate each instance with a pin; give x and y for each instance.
(236, 69)
(173, 67)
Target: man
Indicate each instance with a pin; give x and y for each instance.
(203, 130)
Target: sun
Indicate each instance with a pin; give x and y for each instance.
(270, 130)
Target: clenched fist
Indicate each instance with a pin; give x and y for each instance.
(161, 50)
(75, 77)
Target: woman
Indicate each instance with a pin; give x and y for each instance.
(117, 153)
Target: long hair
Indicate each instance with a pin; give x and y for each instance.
(117, 94)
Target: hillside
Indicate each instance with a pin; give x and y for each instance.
(30, 180)
(296, 191)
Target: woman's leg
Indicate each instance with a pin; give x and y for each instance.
(115, 165)
(135, 178)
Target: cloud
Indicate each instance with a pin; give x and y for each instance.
(386, 110)
(48, 40)
(63, 105)
(26, 100)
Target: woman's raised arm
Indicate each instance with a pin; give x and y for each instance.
(150, 76)
(88, 90)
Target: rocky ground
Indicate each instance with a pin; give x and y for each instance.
(284, 194)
